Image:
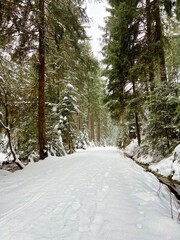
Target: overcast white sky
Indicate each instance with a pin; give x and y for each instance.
(97, 12)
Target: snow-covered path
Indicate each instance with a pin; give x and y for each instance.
(96, 194)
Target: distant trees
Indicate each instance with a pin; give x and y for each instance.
(140, 59)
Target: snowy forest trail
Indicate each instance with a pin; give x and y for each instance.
(97, 194)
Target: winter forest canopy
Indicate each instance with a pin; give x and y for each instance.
(53, 96)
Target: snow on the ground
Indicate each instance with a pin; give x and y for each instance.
(164, 167)
(2, 158)
(132, 148)
(4, 173)
(97, 194)
(169, 166)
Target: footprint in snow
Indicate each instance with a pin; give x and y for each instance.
(138, 225)
(96, 223)
(84, 222)
(141, 212)
(105, 188)
(103, 193)
(76, 205)
(106, 174)
(73, 217)
(65, 232)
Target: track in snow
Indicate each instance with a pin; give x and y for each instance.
(96, 194)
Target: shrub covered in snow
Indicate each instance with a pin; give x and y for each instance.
(176, 154)
(176, 163)
(132, 148)
(82, 140)
(169, 166)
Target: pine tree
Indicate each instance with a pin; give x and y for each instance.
(121, 51)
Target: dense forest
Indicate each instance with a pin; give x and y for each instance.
(51, 92)
(54, 94)
(141, 49)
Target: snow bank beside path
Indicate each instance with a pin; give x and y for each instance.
(132, 148)
(97, 194)
(167, 167)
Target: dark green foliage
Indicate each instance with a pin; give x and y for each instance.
(178, 9)
(168, 6)
(142, 66)
(118, 52)
(19, 29)
(163, 125)
(121, 55)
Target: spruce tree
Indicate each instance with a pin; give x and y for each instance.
(37, 29)
(135, 53)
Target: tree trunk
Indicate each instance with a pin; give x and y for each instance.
(150, 44)
(98, 130)
(138, 135)
(41, 88)
(70, 139)
(159, 42)
(137, 126)
(79, 123)
(91, 124)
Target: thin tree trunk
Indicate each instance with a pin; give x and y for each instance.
(79, 122)
(137, 126)
(150, 44)
(89, 125)
(70, 140)
(92, 126)
(159, 42)
(41, 88)
(98, 130)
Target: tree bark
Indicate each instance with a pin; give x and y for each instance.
(79, 122)
(41, 87)
(91, 124)
(137, 126)
(98, 130)
(159, 42)
(138, 135)
(150, 44)
(70, 139)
